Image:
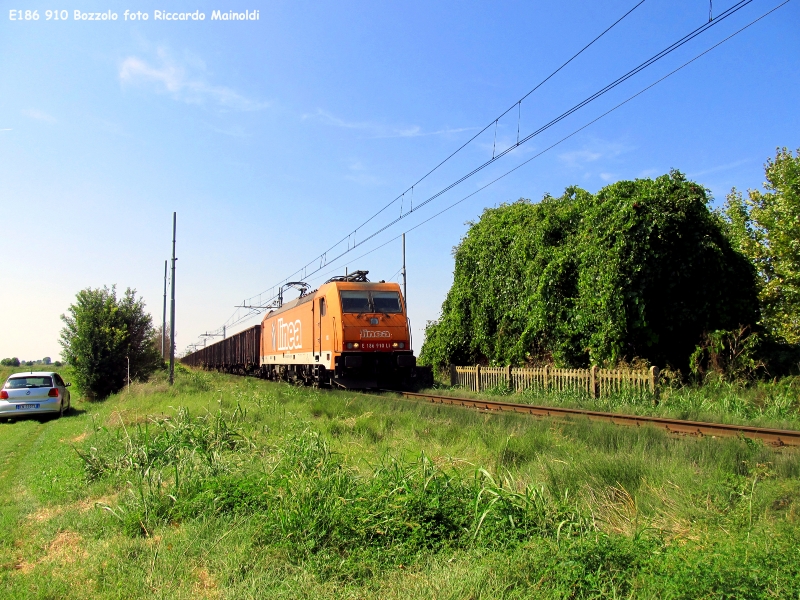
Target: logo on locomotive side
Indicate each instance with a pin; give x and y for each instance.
(289, 335)
(371, 334)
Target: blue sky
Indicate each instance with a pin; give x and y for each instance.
(273, 139)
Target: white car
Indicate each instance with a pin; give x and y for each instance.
(34, 393)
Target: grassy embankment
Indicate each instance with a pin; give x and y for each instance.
(231, 487)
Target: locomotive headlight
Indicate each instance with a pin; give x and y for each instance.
(355, 345)
(395, 344)
(402, 345)
(349, 345)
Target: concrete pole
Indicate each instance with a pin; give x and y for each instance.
(172, 306)
(164, 318)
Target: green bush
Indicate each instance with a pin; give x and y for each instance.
(641, 269)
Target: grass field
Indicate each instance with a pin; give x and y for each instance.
(229, 487)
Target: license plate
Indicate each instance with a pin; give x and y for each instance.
(24, 406)
(376, 345)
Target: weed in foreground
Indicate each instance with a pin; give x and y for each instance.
(306, 501)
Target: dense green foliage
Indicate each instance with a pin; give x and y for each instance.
(641, 269)
(10, 362)
(766, 228)
(104, 336)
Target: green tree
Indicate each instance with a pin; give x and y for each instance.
(765, 226)
(641, 269)
(101, 333)
(10, 362)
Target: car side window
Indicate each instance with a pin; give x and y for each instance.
(59, 381)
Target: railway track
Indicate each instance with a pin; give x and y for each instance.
(774, 437)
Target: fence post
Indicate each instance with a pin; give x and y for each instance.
(453, 376)
(509, 381)
(654, 383)
(546, 378)
(593, 381)
(477, 378)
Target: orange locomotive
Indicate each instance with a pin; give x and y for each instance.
(349, 333)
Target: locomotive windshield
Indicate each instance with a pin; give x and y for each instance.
(370, 302)
(355, 301)
(386, 302)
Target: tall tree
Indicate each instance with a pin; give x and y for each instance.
(102, 334)
(766, 228)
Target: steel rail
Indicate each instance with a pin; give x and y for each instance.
(774, 437)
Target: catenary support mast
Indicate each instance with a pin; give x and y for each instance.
(405, 289)
(172, 307)
(164, 316)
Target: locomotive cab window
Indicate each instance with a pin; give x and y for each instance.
(386, 302)
(322, 307)
(355, 301)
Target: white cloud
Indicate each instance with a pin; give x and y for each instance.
(377, 129)
(607, 176)
(38, 115)
(719, 168)
(181, 83)
(7, 129)
(593, 151)
(234, 131)
(580, 156)
(358, 174)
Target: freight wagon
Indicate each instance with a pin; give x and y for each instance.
(238, 354)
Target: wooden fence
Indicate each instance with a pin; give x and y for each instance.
(595, 381)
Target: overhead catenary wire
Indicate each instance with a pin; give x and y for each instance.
(505, 112)
(575, 132)
(649, 62)
(474, 137)
(233, 321)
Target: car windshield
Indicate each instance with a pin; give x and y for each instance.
(29, 381)
(355, 301)
(386, 302)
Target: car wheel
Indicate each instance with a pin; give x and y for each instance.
(61, 410)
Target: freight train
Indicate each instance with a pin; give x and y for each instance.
(350, 333)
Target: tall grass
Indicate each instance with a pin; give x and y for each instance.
(307, 501)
